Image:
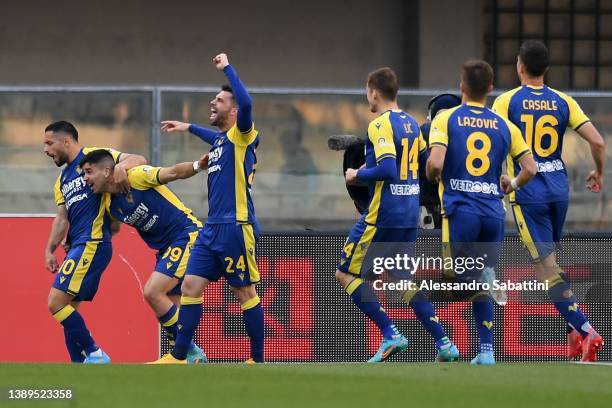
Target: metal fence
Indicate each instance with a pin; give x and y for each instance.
(299, 183)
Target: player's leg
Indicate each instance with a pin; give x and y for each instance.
(202, 267)
(348, 275)
(404, 242)
(77, 280)
(74, 348)
(242, 274)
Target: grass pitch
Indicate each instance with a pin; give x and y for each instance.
(315, 385)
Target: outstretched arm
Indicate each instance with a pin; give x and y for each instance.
(182, 170)
(207, 135)
(243, 99)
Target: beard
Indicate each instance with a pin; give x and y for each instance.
(60, 159)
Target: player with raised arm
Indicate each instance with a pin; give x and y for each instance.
(469, 145)
(393, 150)
(543, 114)
(162, 221)
(226, 245)
(82, 221)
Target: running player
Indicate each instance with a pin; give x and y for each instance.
(226, 245)
(81, 215)
(469, 144)
(162, 221)
(543, 114)
(393, 149)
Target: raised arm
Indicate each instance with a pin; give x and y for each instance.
(243, 99)
(126, 161)
(182, 170)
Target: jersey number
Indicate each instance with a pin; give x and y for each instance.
(409, 156)
(477, 161)
(543, 127)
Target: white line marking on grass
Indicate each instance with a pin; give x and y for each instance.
(135, 275)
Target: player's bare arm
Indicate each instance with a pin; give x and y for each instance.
(174, 126)
(126, 162)
(598, 151)
(528, 171)
(435, 163)
(182, 170)
(56, 236)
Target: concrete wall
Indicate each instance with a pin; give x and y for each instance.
(272, 42)
(450, 32)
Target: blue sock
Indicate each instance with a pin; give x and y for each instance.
(74, 349)
(364, 299)
(424, 311)
(482, 308)
(568, 306)
(189, 317)
(75, 328)
(169, 321)
(253, 316)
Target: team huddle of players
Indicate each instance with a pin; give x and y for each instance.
(468, 146)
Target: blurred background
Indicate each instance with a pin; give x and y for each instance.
(115, 69)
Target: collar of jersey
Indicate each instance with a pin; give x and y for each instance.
(475, 104)
(534, 87)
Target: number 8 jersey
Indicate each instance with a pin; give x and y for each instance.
(477, 142)
(542, 114)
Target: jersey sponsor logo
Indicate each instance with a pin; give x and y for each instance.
(469, 186)
(75, 199)
(480, 123)
(404, 189)
(530, 104)
(213, 169)
(140, 213)
(150, 223)
(550, 166)
(73, 186)
(215, 154)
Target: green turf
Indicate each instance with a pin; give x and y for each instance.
(317, 385)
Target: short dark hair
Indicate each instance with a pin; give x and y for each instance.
(534, 56)
(385, 81)
(64, 127)
(98, 156)
(477, 77)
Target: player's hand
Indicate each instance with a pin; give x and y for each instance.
(351, 176)
(594, 181)
(505, 184)
(51, 262)
(220, 61)
(203, 162)
(174, 126)
(121, 179)
(65, 245)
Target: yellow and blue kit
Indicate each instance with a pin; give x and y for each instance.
(542, 114)
(393, 150)
(89, 233)
(477, 143)
(226, 244)
(160, 218)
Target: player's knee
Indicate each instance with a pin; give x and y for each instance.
(245, 293)
(151, 294)
(56, 301)
(191, 289)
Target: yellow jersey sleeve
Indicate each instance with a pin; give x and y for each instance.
(380, 134)
(144, 177)
(422, 143)
(577, 117)
(116, 154)
(242, 138)
(502, 102)
(518, 146)
(438, 132)
(59, 197)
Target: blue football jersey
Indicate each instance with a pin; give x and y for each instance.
(394, 203)
(86, 210)
(542, 114)
(153, 209)
(478, 142)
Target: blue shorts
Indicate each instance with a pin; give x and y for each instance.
(540, 226)
(360, 248)
(470, 236)
(226, 250)
(80, 273)
(172, 260)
